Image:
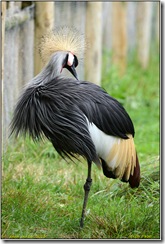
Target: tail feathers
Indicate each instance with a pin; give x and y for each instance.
(107, 173)
(133, 178)
(122, 161)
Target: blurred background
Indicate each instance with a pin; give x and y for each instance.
(40, 190)
(118, 33)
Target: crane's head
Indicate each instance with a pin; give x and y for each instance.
(70, 62)
(61, 48)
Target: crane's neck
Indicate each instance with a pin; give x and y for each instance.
(45, 75)
(51, 70)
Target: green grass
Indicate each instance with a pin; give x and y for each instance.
(42, 194)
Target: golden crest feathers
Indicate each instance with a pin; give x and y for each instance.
(62, 39)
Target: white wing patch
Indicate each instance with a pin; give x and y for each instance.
(103, 143)
(119, 154)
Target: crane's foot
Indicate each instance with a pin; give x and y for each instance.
(87, 186)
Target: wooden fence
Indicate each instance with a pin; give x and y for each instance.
(117, 27)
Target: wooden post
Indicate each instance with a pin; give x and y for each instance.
(2, 77)
(107, 36)
(119, 35)
(93, 55)
(144, 17)
(3, 34)
(158, 23)
(44, 22)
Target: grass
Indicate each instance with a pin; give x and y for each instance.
(42, 194)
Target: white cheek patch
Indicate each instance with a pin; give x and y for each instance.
(70, 59)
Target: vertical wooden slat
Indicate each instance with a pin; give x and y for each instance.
(93, 56)
(107, 35)
(144, 22)
(107, 32)
(158, 23)
(119, 35)
(2, 77)
(18, 5)
(44, 22)
(11, 7)
(72, 14)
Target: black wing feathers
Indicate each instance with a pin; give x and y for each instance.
(41, 111)
(57, 110)
(104, 111)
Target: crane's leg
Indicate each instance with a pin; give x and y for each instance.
(87, 186)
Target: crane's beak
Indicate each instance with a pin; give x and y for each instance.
(72, 70)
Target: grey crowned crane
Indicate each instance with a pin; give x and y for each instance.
(78, 117)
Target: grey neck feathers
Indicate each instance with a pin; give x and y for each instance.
(51, 70)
